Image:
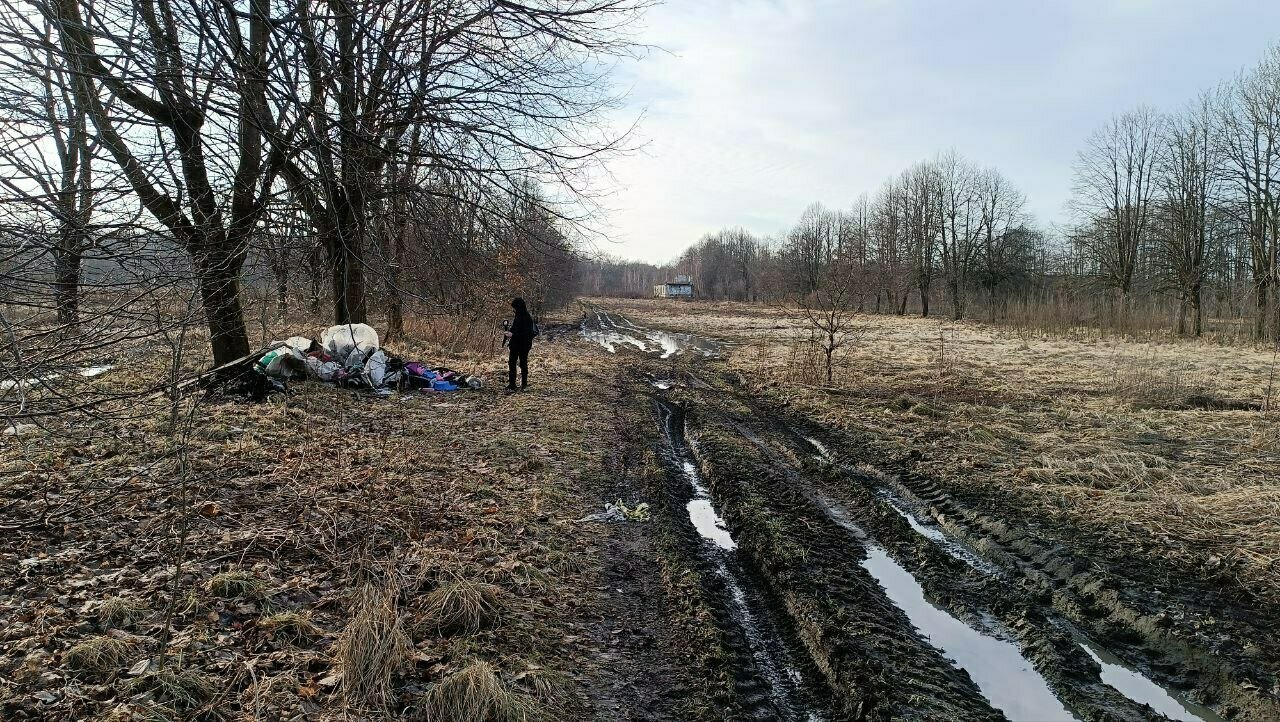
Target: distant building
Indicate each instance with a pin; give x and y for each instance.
(679, 287)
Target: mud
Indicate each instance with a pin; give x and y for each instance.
(849, 587)
(614, 332)
(1051, 597)
(770, 683)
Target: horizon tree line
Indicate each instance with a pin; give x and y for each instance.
(1170, 212)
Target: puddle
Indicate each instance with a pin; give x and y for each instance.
(1006, 678)
(952, 547)
(613, 333)
(1008, 681)
(666, 341)
(939, 537)
(611, 340)
(1140, 689)
(823, 452)
(703, 515)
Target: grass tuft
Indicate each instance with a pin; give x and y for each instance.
(176, 686)
(99, 655)
(291, 628)
(463, 605)
(476, 693)
(230, 585)
(121, 611)
(372, 648)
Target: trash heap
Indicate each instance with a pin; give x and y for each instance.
(349, 355)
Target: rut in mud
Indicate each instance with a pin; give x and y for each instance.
(1030, 660)
(845, 593)
(613, 332)
(769, 682)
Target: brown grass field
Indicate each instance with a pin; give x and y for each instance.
(333, 555)
(1103, 433)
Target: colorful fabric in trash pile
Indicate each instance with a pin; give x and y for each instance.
(421, 376)
(349, 355)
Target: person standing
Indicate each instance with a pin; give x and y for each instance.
(520, 340)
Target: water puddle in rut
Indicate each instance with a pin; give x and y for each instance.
(1006, 679)
(703, 515)
(986, 658)
(613, 333)
(747, 609)
(1137, 687)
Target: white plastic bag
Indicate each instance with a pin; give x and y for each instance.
(350, 343)
(375, 369)
(323, 370)
(298, 343)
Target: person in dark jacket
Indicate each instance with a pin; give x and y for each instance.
(520, 341)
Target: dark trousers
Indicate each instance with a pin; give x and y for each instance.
(521, 356)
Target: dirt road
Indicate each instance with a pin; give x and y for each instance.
(842, 583)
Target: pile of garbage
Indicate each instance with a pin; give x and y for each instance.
(349, 355)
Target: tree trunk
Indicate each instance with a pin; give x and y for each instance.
(1260, 323)
(219, 281)
(348, 278)
(316, 266)
(1183, 304)
(282, 288)
(924, 302)
(830, 349)
(1197, 313)
(66, 285)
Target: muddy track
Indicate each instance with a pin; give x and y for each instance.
(1070, 618)
(888, 598)
(771, 679)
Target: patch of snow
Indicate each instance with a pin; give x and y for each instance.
(91, 371)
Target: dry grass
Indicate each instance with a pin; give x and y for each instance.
(460, 604)
(176, 686)
(99, 655)
(292, 628)
(1148, 384)
(1156, 447)
(121, 611)
(372, 648)
(476, 693)
(233, 584)
(301, 483)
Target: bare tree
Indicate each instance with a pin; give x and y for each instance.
(1005, 242)
(202, 180)
(922, 200)
(37, 103)
(495, 94)
(1114, 187)
(830, 309)
(963, 223)
(1248, 118)
(1189, 179)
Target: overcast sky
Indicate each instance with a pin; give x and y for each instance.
(753, 109)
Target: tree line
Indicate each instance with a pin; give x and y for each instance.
(348, 151)
(1170, 213)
